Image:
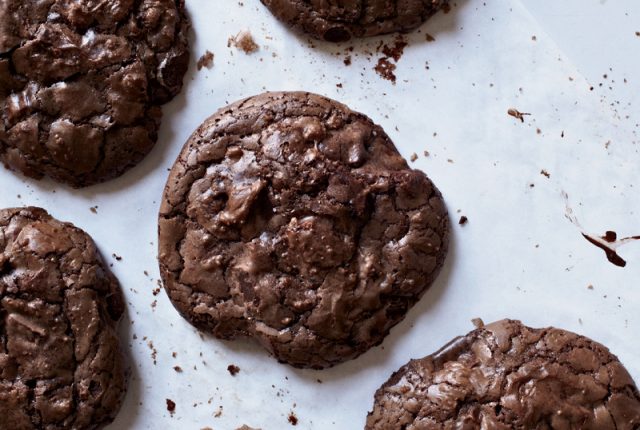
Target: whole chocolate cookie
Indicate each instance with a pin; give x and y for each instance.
(340, 20)
(60, 360)
(509, 376)
(292, 219)
(81, 83)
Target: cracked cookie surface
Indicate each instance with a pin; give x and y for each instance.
(291, 219)
(340, 20)
(509, 376)
(81, 83)
(60, 360)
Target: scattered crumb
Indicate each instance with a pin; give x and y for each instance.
(117, 257)
(534, 38)
(94, 209)
(517, 114)
(293, 419)
(177, 369)
(206, 428)
(218, 413)
(206, 60)
(463, 220)
(244, 41)
(426, 153)
(154, 304)
(430, 38)
(246, 427)
(347, 60)
(414, 156)
(477, 322)
(171, 406)
(233, 369)
(385, 68)
(590, 287)
(545, 173)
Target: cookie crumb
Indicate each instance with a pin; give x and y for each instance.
(430, 38)
(477, 322)
(244, 41)
(293, 420)
(206, 60)
(590, 287)
(233, 369)
(545, 173)
(463, 220)
(171, 406)
(414, 156)
(177, 369)
(94, 209)
(117, 257)
(517, 114)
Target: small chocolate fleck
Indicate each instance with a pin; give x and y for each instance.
(171, 406)
(517, 114)
(206, 60)
(463, 220)
(233, 369)
(293, 419)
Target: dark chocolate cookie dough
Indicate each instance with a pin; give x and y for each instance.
(509, 376)
(340, 20)
(292, 219)
(81, 83)
(60, 360)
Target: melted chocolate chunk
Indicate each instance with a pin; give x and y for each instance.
(294, 220)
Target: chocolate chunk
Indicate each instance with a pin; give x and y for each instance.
(294, 220)
(340, 21)
(76, 77)
(508, 376)
(60, 359)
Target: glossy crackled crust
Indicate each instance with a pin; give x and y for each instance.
(509, 376)
(289, 218)
(339, 21)
(60, 360)
(81, 83)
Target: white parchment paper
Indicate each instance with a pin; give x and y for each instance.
(517, 257)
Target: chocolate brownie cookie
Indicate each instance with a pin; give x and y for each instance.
(292, 219)
(81, 83)
(60, 360)
(340, 20)
(509, 376)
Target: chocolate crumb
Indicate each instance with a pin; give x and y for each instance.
(293, 419)
(171, 406)
(430, 38)
(347, 60)
(414, 156)
(545, 173)
(244, 41)
(177, 369)
(233, 369)
(463, 220)
(94, 209)
(117, 257)
(206, 60)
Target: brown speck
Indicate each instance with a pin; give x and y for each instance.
(538, 131)
(534, 38)
(293, 420)
(414, 156)
(477, 322)
(611, 254)
(218, 413)
(426, 153)
(177, 369)
(171, 406)
(233, 369)
(94, 209)
(347, 60)
(590, 287)
(244, 41)
(430, 38)
(517, 114)
(545, 173)
(117, 257)
(385, 69)
(206, 60)
(463, 220)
